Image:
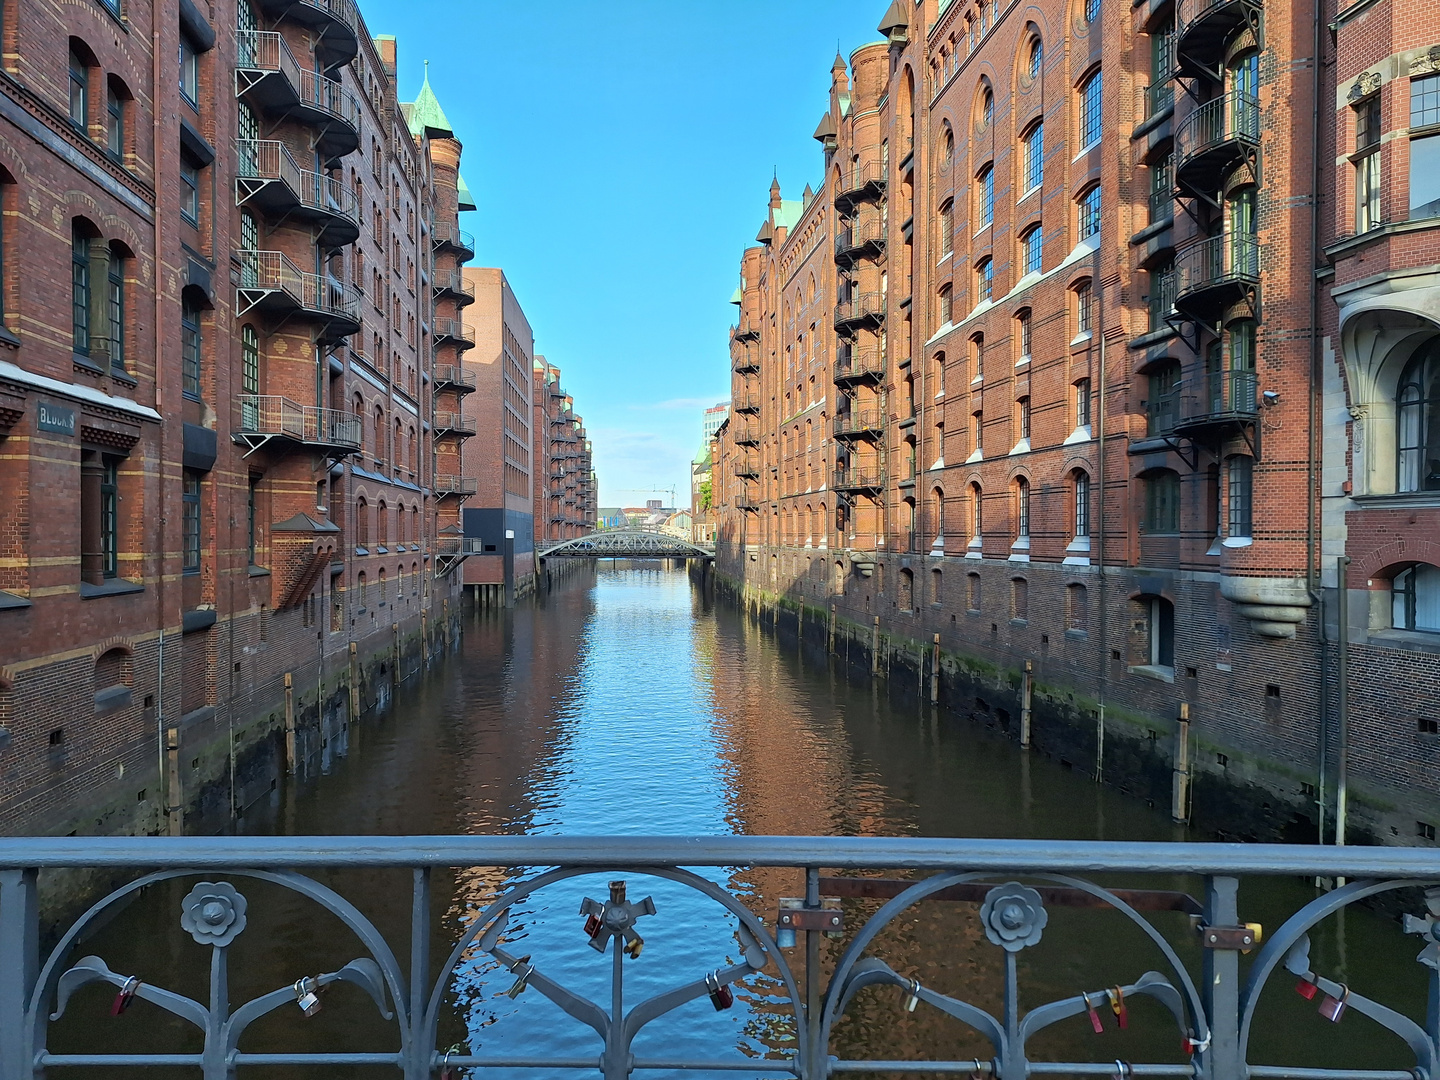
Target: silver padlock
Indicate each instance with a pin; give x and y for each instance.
(1333, 1008)
(914, 996)
(522, 970)
(306, 997)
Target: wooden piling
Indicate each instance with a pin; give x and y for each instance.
(1025, 683)
(830, 634)
(875, 647)
(290, 722)
(935, 671)
(1180, 785)
(354, 683)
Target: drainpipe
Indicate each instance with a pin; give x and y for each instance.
(1099, 293)
(1342, 694)
(159, 154)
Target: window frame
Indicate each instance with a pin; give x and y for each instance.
(190, 190)
(114, 123)
(115, 298)
(188, 59)
(190, 524)
(81, 292)
(1080, 489)
(192, 350)
(1161, 502)
(79, 82)
(1033, 164)
(985, 279)
(1032, 250)
(1082, 403)
(1088, 212)
(1240, 496)
(1366, 160)
(110, 516)
(985, 193)
(1022, 508)
(1091, 117)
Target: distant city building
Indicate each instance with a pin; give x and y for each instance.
(714, 417)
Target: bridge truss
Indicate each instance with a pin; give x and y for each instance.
(633, 543)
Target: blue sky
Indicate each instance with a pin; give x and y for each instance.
(621, 154)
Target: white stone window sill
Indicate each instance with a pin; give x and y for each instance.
(1079, 544)
(1214, 548)
(1237, 541)
(1084, 150)
(939, 464)
(940, 396)
(973, 555)
(1027, 194)
(975, 456)
(1153, 671)
(1080, 339)
(1075, 560)
(1021, 447)
(977, 380)
(1079, 435)
(1024, 361)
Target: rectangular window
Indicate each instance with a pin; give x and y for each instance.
(1090, 111)
(191, 504)
(116, 285)
(1162, 190)
(1082, 403)
(191, 350)
(1425, 101)
(987, 196)
(79, 91)
(1162, 503)
(1082, 505)
(190, 191)
(1035, 157)
(80, 292)
(189, 71)
(1027, 335)
(1022, 510)
(250, 517)
(1424, 147)
(110, 517)
(1082, 309)
(947, 306)
(985, 275)
(1240, 476)
(977, 425)
(1024, 417)
(115, 124)
(947, 228)
(1164, 394)
(1089, 213)
(4, 281)
(1033, 247)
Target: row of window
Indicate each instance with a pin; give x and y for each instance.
(1424, 151)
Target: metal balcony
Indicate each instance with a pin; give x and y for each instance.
(452, 286)
(747, 363)
(862, 183)
(454, 424)
(748, 501)
(269, 179)
(453, 332)
(272, 285)
(1213, 140)
(857, 481)
(557, 392)
(336, 24)
(747, 435)
(451, 551)
(452, 238)
(1215, 403)
(270, 421)
(856, 366)
(865, 239)
(1155, 99)
(1162, 300)
(271, 80)
(448, 485)
(866, 310)
(1215, 275)
(747, 469)
(455, 378)
(859, 424)
(745, 333)
(1204, 30)
(746, 403)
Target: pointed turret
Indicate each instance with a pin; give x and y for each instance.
(775, 194)
(825, 131)
(896, 24)
(426, 116)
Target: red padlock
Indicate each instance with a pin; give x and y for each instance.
(125, 996)
(592, 926)
(1094, 1016)
(1306, 989)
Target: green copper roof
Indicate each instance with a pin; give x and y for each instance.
(426, 114)
(737, 297)
(467, 201)
(788, 213)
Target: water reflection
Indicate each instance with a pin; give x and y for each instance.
(623, 703)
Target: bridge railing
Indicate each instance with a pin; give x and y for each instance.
(996, 891)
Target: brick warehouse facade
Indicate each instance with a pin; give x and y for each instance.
(1082, 356)
(565, 494)
(229, 349)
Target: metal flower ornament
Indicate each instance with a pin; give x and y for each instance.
(1014, 916)
(213, 913)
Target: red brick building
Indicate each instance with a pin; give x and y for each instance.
(1042, 366)
(228, 494)
(565, 502)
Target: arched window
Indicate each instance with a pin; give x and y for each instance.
(937, 511)
(987, 108)
(977, 515)
(985, 279)
(364, 590)
(1022, 423)
(1090, 111)
(1162, 502)
(947, 228)
(1088, 212)
(1084, 316)
(1157, 618)
(79, 84)
(249, 360)
(1037, 58)
(838, 585)
(1032, 249)
(907, 590)
(379, 435)
(1077, 608)
(1092, 11)
(947, 147)
(937, 594)
(1418, 421)
(972, 592)
(362, 525)
(1415, 598)
(117, 102)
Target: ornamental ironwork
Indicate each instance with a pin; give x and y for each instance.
(632, 543)
(1211, 1010)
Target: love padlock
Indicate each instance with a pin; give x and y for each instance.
(446, 1073)
(912, 994)
(523, 969)
(1094, 1016)
(1117, 1006)
(592, 926)
(721, 996)
(1306, 989)
(305, 995)
(1333, 1008)
(125, 996)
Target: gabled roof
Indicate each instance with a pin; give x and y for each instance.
(826, 128)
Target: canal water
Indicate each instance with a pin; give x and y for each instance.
(626, 701)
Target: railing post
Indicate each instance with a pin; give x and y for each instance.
(1221, 984)
(418, 1065)
(19, 967)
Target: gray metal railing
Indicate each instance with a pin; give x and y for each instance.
(1210, 1005)
(1231, 116)
(276, 415)
(266, 50)
(857, 422)
(269, 159)
(445, 233)
(1162, 299)
(1156, 98)
(272, 271)
(864, 306)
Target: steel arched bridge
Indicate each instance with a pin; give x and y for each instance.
(637, 542)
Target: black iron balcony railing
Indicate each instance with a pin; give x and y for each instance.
(746, 361)
(858, 423)
(747, 434)
(745, 332)
(454, 424)
(1162, 299)
(448, 484)
(1155, 99)
(271, 420)
(1215, 138)
(448, 237)
(455, 377)
(337, 24)
(450, 331)
(269, 77)
(1216, 400)
(862, 310)
(269, 178)
(857, 479)
(271, 283)
(862, 239)
(859, 183)
(450, 285)
(1205, 29)
(859, 366)
(745, 403)
(747, 469)
(1216, 273)
(1162, 195)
